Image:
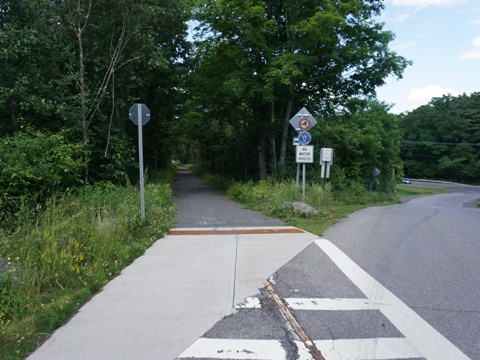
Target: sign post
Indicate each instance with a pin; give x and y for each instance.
(326, 160)
(140, 115)
(304, 156)
(302, 122)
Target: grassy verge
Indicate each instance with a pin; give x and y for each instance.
(58, 259)
(408, 190)
(273, 198)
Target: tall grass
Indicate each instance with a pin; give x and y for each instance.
(60, 256)
(274, 198)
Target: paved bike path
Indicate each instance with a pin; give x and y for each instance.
(184, 284)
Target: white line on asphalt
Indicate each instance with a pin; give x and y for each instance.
(235, 349)
(361, 349)
(326, 304)
(421, 335)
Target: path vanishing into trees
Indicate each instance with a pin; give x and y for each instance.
(198, 205)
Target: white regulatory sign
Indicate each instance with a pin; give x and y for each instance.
(304, 154)
(326, 155)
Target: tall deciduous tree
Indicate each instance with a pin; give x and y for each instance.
(276, 56)
(80, 64)
(110, 36)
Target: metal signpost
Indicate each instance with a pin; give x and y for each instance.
(302, 122)
(326, 160)
(140, 115)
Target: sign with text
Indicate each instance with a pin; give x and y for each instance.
(304, 154)
(326, 155)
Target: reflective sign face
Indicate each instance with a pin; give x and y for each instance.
(302, 118)
(304, 154)
(304, 138)
(304, 124)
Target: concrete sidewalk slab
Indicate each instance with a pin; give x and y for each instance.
(169, 297)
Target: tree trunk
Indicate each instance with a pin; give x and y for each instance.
(83, 106)
(262, 161)
(273, 142)
(15, 126)
(283, 144)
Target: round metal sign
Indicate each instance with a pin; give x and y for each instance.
(304, 124)
(304, 137)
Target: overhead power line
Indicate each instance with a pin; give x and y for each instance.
(439, 143)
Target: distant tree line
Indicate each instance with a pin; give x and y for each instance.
(441, 140)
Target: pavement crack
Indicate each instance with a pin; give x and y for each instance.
(292, 321)
(234, 277)
(334, 349)
(271, 310)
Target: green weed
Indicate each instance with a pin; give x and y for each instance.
(274, 198)
(65, 252)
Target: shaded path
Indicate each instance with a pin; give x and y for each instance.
(201, 206)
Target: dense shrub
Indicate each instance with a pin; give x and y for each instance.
(34, 166)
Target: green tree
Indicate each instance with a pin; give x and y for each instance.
(113, 44)
(30, 66)
(365, 137)
(78, 65)
(273, 57)
(441, 139)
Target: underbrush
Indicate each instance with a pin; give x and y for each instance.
(274, 199)
(60, 255)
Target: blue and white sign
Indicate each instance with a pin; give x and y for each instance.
(304, 137)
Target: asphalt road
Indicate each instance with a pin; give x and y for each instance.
(448, 186)
(427, 251)
(403, 277)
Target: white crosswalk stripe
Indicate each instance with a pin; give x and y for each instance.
(361, 349)
(421, 335)
(420, 339)
(337, 304)
(237, 349)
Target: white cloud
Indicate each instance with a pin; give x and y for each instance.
(419, 97)
(406, 45)
(424, 3)
(403, 16)
(473, 54)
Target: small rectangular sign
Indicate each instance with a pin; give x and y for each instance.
(304, 154)
(326, 155)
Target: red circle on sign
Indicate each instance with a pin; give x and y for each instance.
(304, 124)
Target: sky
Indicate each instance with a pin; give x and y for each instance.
(442, 38)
